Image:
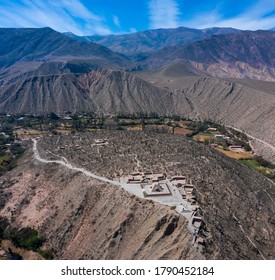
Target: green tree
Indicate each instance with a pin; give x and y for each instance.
(53, 116)
(247, 147)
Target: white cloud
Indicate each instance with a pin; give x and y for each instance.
(257, 16)
(116, 21)
(164, 14)
(133, 30)
(63, 16)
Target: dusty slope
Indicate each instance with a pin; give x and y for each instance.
(84, 219)
(99, 90)
(243, 106)
(45, 44)
(24, 50)
(238, 203)
(241, 55)
(174, 89)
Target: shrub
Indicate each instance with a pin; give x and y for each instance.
(46, 254)
(263, 162)
(3, 225)
(27, 238)
(247, 147)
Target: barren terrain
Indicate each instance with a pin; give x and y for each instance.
(83, 218)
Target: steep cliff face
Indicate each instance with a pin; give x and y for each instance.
(84, 219)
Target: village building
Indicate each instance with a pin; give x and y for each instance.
(157, 189)
(158, 177)
(175, 191)
(212, 129)
(137, 179)
(188, 188)
(235, 147)
(179, 181)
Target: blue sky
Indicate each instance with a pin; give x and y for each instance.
(87, 17)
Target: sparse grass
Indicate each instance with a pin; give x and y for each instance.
(25, 238)
(63, 131)
(251, 163)
(134, 128)
(3, 159)
(46, 254)
(235, 155)
(28, 133)
(129, 121)
(202, 137)
(254, 164)
(182, 131)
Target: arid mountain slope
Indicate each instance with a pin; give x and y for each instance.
(45, 44)
(82, 218)
(243, 106)
(24, 50)
(44, 71)
(99, 90)
(244, 54)
(232, 104)
(174, 89)
(152, 40)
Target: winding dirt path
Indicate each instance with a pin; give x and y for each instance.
(70, 166)
(254, 138)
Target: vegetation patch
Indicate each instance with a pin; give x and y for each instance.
(26, 238)
(235, 155)
(261, 165)
(4, 159)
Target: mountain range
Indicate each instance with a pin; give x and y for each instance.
(152, 40)
(213, 73)
(219, 74)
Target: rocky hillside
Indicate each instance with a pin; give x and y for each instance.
(152, 40)
(24, 50)
(99, 90)
(174, 89)
(45, 44)
(84, 219)
(246, 105)
(43, 71)
(244, 54)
